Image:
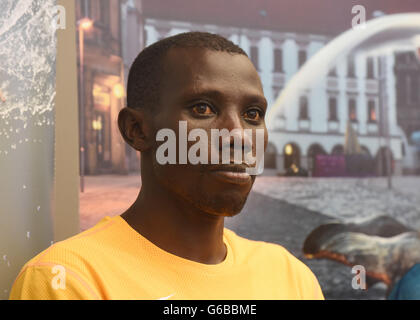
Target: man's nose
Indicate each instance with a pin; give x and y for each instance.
(233, 122)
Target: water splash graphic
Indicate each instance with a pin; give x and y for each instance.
(27, 92)
(27, 68)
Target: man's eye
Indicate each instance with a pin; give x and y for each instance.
(202, 109)
(253, 114)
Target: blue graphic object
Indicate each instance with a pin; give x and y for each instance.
(408, 288)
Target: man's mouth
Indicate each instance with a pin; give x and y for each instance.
(231, 173)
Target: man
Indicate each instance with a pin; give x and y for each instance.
(171, 243)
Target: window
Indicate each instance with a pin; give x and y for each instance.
(372, 111)
(278, 60)
(104, 11)
(332, 103)
(414, 89)
(408, 89)
(85, 8)
(352, 110)
(276, 92)
(333, 72)
(303, 109)
(337, 150)
(350, 68)
(401, 97)
(254, 56)
(301, 58)
(369, 68)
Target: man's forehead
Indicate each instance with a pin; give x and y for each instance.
(188, 66)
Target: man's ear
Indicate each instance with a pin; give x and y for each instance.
(134, 128)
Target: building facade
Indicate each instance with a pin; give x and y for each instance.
(316, 121)
(133, 41)
(279, 44)
(407, 74)
(103, 87)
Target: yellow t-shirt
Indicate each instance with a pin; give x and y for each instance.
(113, 261)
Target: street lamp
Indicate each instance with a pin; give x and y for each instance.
(118, 91)
(84, 24)
(288, 150)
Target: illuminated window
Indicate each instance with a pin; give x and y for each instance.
(372, 111)
(352, 110)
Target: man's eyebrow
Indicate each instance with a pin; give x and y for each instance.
(218, 95)
(190, 95)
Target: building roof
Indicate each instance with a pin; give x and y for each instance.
(323, 17)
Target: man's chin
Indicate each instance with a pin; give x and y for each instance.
(216, 200)
(223, 205)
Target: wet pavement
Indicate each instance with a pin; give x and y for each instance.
(267, 219)
(349, 198)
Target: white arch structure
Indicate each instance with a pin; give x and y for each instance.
(384, 33)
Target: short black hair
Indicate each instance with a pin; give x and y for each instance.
(145, 74)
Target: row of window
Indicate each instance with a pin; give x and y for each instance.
(332, 107)
(278, 58)
(302, 57)
(351, 69)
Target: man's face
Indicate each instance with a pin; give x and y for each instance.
(209, 90)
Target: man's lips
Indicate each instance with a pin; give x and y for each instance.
(231, 173)
(232, 167)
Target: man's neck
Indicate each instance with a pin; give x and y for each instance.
(176, 226)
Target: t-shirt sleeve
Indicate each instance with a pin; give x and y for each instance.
(318, 295)
(306, 282)
(52, 282)
(312, 289)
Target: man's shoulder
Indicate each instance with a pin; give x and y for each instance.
(76, 248)
(73, 259)
(260, 251)
(278, 262)
(256, 245)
